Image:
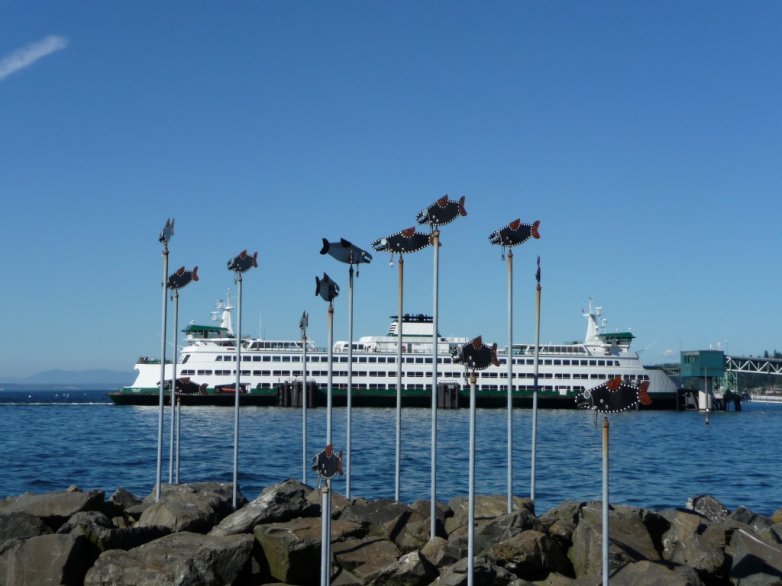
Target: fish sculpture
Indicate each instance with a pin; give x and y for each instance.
(614, 395)
(326, 288)
(182, 278)
(515, 233)
(243, 262)
(345, 251)
(475, 355)
(402, 242)
(441, 212)
(167, 232)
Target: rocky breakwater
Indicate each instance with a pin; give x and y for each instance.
(193, 536)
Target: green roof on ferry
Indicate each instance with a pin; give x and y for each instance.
(617, 336)
(193, 328)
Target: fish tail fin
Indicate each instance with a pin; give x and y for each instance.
(643, 393)
(494, 360)
(325, 248)
(462, 209)
(255, 259)
(195, 273)
(317, 285)
(535, 233)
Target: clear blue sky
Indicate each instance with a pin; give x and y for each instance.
(645, 136)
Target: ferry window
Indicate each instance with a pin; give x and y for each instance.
(362, 358)
(256, 358)
(557, 363)
(267, 359)
(276, 358)
(246, 373)
(391, 360)
(219, 359)
(601, 362)
(286, 358)
(547, 362)
(373, 359)
(566, 363)
(419, 360)
(428, 361)
(277, 373)
(256, 373)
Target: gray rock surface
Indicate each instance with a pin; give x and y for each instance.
(190, 507)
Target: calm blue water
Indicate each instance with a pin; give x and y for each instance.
(657, 459)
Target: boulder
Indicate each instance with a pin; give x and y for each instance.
(485, 574)
(395, 521)
(180, 558)
(21, 525)
(754, 561)
(486, 507)
(277, 503)
(193, 507)
(290, 551)
(530, 555)
(46, 559)
(629, 541)
(437, 553)
(561, 521)
(776, 517)
(54, 508)
(411, 569)
(708, 506)
(686, 542)
(102, 532)
(365, 558)
(646, 573)
(491, 531)
(441, 512)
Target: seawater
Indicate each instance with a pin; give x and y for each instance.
(658, 459)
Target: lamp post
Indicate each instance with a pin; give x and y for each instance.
(165, 236)
(474, 355)
(441, 212)
(400, 243)
(351, 254)
(303, 324)
(512, 235)
(534, 446)
(178, 280)
(240, 264)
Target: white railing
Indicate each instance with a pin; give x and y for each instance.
(763, 398)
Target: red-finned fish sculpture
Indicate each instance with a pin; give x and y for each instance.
(182, 278)
(326, 288)
(475, 355)
(442, 212)
(402, 242)
(515, 233)
(345, 251)
(614, 395)
(243, 262)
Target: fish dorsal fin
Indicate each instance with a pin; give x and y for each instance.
(443, 201)
(514, 225)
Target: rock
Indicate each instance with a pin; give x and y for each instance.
(102, 533)
(190, 507)
(54, 508)
(181, 558)
(441, 512)
(708, 506)
(411, 569)
(754, 561)
(630, 539)
(491, 531)
(486, 507)
(338, 502)
(395, 521)
(291, 550)
(436, 552)
(485, 574)
(21, 525)
(687, 543)
(646, 573)
(47, 559)
(777, 516)
(277, 503)
(121, 502)
(365, 558)
(561, 521)
(531, 555)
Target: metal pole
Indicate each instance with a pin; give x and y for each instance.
(178, 421)
(535, 400)
(305, 397)
(325, 533)
(471, 495)
(350, 377)
(236, 390)
(399, 322)
(510, 381)
(433, 504)
(162, 373)
(173, 390)
(331, 369)
(605, 500)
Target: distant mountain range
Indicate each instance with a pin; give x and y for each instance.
(97, 378)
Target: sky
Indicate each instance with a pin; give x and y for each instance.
(644, 136)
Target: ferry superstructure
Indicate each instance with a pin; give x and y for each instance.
(208, 363)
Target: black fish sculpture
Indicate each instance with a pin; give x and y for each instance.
(326, 288)
(441, 212)
(402, 242)
(243, 262)
(182, 278)
(614, 395)
(476, 355)
(345, 251)
(167, 232)
(515, 233)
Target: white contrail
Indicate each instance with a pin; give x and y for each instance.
(28, 55)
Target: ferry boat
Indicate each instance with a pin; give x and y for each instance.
(272, 371)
